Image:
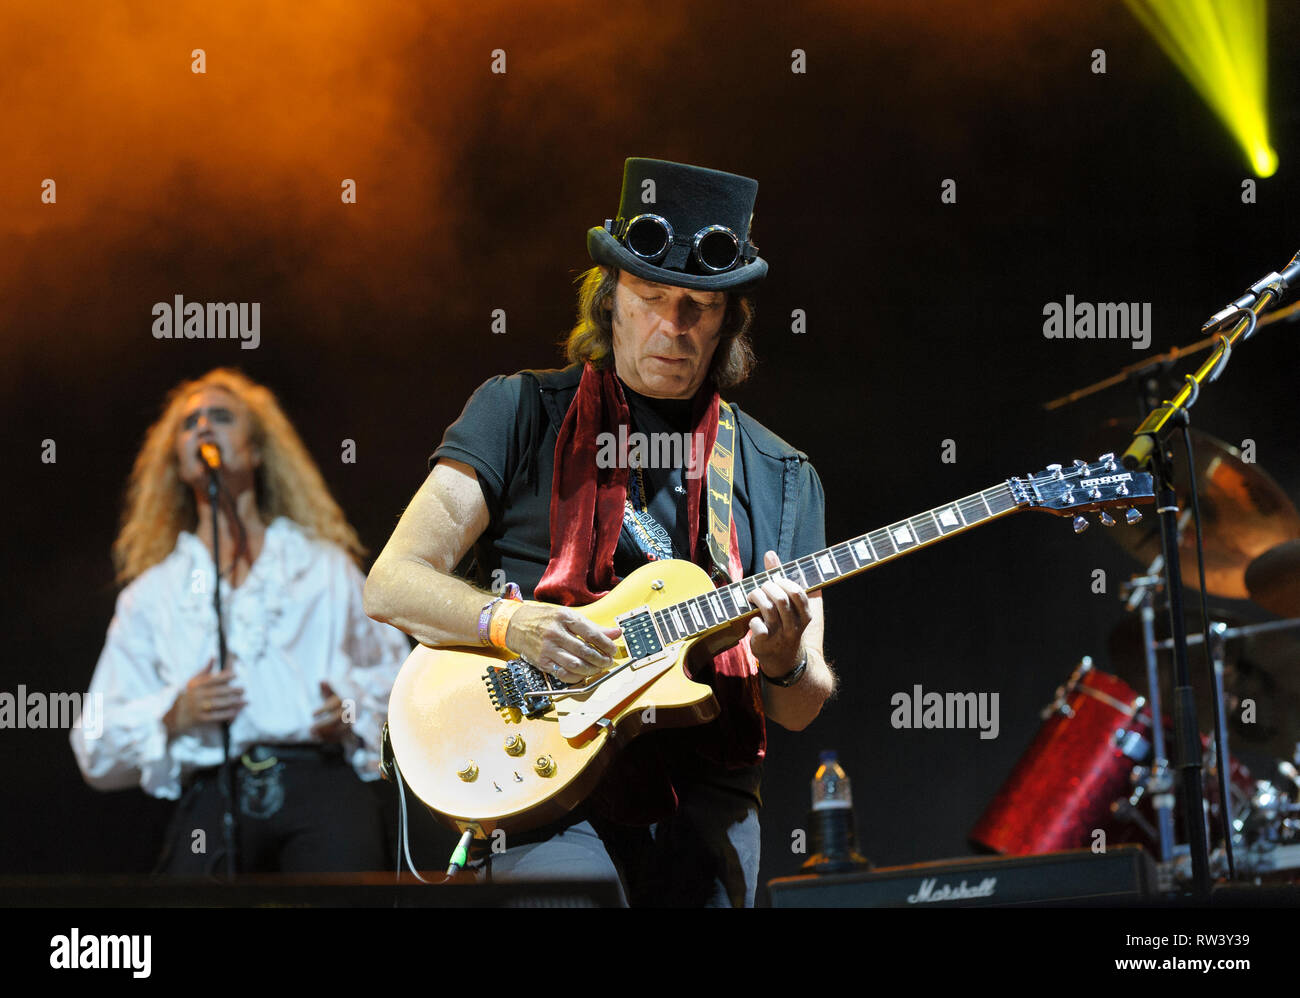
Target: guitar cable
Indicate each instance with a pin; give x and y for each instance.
(459, 857)
(403, 828)
(461, 854)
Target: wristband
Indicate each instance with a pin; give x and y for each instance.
(501, 622)
(484, 619)
(513, 592)
(791, 677)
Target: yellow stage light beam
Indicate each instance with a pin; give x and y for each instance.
(1220, 46)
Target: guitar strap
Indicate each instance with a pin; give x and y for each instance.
(719, 484)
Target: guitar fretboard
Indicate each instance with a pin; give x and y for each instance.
(719, 607)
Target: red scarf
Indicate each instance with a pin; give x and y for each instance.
(586, 514)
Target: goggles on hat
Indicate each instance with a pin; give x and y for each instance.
(716, 248)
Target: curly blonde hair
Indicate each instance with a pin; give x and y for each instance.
(159, 505)
(592, 337)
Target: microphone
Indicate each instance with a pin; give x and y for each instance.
(1279, 283)
(211, 455)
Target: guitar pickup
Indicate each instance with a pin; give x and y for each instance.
(639, 634)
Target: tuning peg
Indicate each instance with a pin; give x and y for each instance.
(1108, 459)
(1055, 469)
(1079, 464)
(1107, 520)
(1132, 517)
(1080, 524)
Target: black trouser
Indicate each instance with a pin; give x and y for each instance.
(706, 855)
(307, 812)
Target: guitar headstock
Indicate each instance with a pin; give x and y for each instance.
(1071, 491)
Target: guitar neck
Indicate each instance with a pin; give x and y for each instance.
(718, 608)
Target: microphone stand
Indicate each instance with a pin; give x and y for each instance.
(1149, 451)
(229, 825)
(1216, 649)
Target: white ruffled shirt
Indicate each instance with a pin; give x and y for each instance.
(296, 620)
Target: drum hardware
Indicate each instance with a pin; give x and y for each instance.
(1097, 735)
(1092, 767)
(1132, 743)
(1221, 629)
(1059, 794)
(1142, 591)
(1247, 522)
(1126, 809)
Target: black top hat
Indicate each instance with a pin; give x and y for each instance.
(682, 225)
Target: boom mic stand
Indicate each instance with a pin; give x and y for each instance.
(1149, 450)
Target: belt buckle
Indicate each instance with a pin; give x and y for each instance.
(261, 791)
(257, 766)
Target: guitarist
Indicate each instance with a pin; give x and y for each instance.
(523, 478)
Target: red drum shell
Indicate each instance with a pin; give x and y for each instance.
(1063, 786)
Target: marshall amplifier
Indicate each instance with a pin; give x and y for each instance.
(1121, 875)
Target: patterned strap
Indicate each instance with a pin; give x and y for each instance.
(719, 492)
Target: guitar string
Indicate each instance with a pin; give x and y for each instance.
(925, 528)
(845, 560)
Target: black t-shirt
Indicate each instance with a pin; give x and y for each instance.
(516, 546)
(509, 440)
(665, 487)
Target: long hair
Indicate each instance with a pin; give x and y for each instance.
(159, 505)
(592, 337)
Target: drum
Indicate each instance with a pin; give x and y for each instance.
(1138, 824)
(1081, 761)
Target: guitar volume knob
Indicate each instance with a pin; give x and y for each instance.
(515, 745)
(468, 772)
(544, 766)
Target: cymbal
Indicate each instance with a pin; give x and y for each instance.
(1274, 579)
(1244, 512)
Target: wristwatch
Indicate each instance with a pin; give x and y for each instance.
(791, 677)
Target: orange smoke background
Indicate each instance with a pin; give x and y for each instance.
(226, 184)
(475, 191)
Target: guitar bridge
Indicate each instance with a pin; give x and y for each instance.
(519, 686)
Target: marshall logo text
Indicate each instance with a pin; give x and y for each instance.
(926, 894)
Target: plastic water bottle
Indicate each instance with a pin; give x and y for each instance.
(835, 844)
(831, 785)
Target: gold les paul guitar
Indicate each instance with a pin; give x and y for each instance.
(486, 741)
